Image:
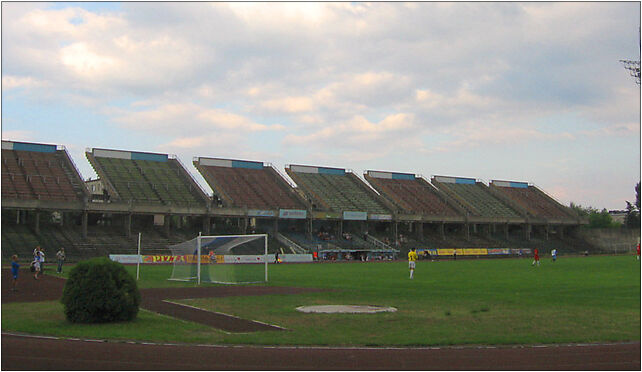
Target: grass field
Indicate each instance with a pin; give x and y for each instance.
(505, 301)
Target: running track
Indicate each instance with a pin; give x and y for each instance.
(45, 353)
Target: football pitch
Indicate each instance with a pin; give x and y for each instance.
(487, 302)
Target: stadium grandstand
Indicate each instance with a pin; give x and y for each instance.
(536, 203)
(33, 171)
(329, 211)
(145, 178)
(412, 194)
(338, 190)
(248, 184)
(476, 199)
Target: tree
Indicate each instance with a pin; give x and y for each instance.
(597, 219)
(99, 291)
(633, 210)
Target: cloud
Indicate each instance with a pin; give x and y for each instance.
(179, 118)
(495, 134)
(15, 82)
(357, 131)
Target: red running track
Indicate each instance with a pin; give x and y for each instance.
(40, 353)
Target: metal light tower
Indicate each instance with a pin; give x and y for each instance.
(633, 66)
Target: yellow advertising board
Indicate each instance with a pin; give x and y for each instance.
(463, 251)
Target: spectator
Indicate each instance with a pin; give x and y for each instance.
(15, 267)
(60, 257)
(42, 261)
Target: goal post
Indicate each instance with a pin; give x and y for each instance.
(225, 259)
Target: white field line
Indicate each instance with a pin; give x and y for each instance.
(324, 347)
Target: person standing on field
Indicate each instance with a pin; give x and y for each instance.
(412, 259)
(554, 254)
(14, 272)
(60, 256)
(535, 257)
(36, 265)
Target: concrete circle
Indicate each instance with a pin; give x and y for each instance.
(345, 309)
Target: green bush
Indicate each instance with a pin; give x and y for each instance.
(99, 291)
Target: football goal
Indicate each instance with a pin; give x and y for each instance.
(226, 259)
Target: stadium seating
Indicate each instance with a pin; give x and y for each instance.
(476, 198)
(338, 192)
(531, 199)
(39, 175)
(244, 186)
(412, 196)
(147, 181)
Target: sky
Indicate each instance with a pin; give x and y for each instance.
(530, 92)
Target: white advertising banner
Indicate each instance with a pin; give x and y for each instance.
(355, 216)
(126, 258)
(293, 213)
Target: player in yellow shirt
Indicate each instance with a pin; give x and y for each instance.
(412, 258)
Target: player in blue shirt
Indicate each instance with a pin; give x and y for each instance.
(14, 271)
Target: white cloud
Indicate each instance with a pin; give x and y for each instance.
(356, 130)
(181, 118)
(13, 82)
(81, 59)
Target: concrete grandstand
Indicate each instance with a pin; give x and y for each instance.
(45, 202)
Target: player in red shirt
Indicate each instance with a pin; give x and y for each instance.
(536, 257)
(638, 251)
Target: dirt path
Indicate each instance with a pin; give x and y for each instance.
(57, 354)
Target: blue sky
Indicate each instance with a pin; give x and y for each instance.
(514, 91)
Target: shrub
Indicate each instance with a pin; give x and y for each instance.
(99, 291)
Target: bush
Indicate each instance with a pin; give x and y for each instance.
(99, 291)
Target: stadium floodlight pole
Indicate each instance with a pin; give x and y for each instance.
(634, 66)
(198, 259)
(138, 258)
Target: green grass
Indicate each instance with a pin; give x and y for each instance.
(507, 301)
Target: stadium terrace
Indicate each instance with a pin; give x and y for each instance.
(329, 211)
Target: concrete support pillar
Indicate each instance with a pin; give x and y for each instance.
(488, 230)
(420, 230)
(207, 223)
(561, 232)
(339, 228)
(85, 222)
(168, 219)
(494, 228)
(506, 231)
(275, 228)
(243, 222)
(442, 231)
(548, 228)
(527, 231)
(36, 226)
(474, 228)
(467, 232)
(308, 228)
(128, 225)
(395, 233)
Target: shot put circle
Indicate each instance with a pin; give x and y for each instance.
(345, 309)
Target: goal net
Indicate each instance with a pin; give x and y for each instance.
(227, 259)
